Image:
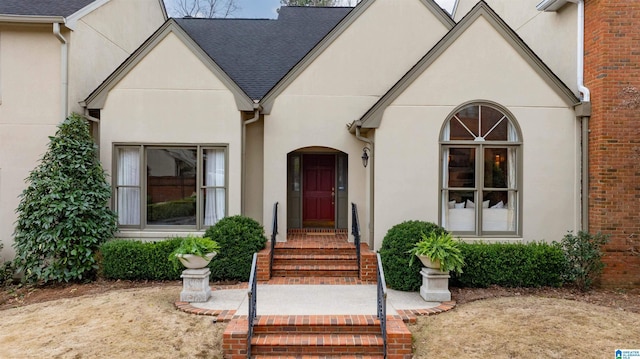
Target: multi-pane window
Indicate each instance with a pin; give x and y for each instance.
(159, 186)
(480, 172)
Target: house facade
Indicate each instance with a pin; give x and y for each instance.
(52, 55)
(503, 121)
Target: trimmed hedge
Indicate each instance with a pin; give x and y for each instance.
(136, 260)
(239, 237)
(511, 265)
(396, 244)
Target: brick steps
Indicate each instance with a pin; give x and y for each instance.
(350, 356)
(312, 257)
(317, 336)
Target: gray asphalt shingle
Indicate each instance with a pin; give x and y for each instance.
(42, 7)
(257, 53)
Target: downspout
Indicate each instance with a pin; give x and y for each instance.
(256, 117)
(586, 98)
(371, 182)
(64, 70)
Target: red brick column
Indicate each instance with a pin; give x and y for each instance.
(234, 339)
(398, 340)
(264, 268)
(612, 73)
(368, 264)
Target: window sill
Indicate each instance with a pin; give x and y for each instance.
(155, 234)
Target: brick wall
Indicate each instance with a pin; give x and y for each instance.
(612, 73)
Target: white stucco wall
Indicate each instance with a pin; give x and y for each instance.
(409, 132)
(551, 35)
(29, 112)
(338, 88)
(103, 39)
(171, 97)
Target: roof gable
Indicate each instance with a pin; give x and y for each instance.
(97, 98)
(257, 53)
(373, 117)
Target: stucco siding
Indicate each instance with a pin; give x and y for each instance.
(171, 97)
(103, 39)
(30, 110)
(551, 35)
(409, 133)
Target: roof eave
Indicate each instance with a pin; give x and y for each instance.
(31, 19)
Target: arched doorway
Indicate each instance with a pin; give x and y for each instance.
(317, 193)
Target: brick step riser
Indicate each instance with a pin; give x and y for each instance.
(317, 329)
(350, 356)
(316, 262)
(314, 252)
(314, 273)
(297, 350)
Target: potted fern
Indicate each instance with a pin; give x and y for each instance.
(440, 251)
(194, 252)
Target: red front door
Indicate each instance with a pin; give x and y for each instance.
(318, 191)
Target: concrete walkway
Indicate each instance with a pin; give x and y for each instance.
(315, 300)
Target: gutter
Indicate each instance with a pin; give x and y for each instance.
(243, 189)
(356, 127)
(64, 70)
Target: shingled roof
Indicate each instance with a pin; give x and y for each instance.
(257, 53)
(62, 8)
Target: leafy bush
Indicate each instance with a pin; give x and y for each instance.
(398, 241)
(511, 265)
(440, 248)
(136, 260)
(239, 237)
(6, 270)
(584, 257)
(62, 215)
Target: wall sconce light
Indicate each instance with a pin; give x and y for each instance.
(365, 156)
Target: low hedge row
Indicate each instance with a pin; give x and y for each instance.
(136, 260)
(511, 265)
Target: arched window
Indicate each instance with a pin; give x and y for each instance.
(481, 164)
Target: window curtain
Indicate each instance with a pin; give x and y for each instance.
(215, 196)
(446, 135)
(511, 178)
(128, 193)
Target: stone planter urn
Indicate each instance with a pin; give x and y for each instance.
(195, 279)
(435, 283)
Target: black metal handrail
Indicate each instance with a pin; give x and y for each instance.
(253, 286)
(355, 231)
(382, 303)
(274, 234)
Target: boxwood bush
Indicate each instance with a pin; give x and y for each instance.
(511, 265)
(136, 260)
(396, 244)
(239, 237)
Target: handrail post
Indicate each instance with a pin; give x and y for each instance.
(252, 293)
(274, 234)
(382, 302)
(355, 231)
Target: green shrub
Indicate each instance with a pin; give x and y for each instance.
(510, 265)
(136, 260)
(63, 216)
(239, 237)
(6, 270)
(584, 257)
(398, 241)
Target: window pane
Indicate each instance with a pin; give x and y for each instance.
(214, 197)
(462, 167)
(496, 168)
(494, 124)
(498, 211)
(171, 186)
(128, 186)
(459, 214)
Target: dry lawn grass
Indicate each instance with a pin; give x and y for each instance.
(526, 327)
(132, 323)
